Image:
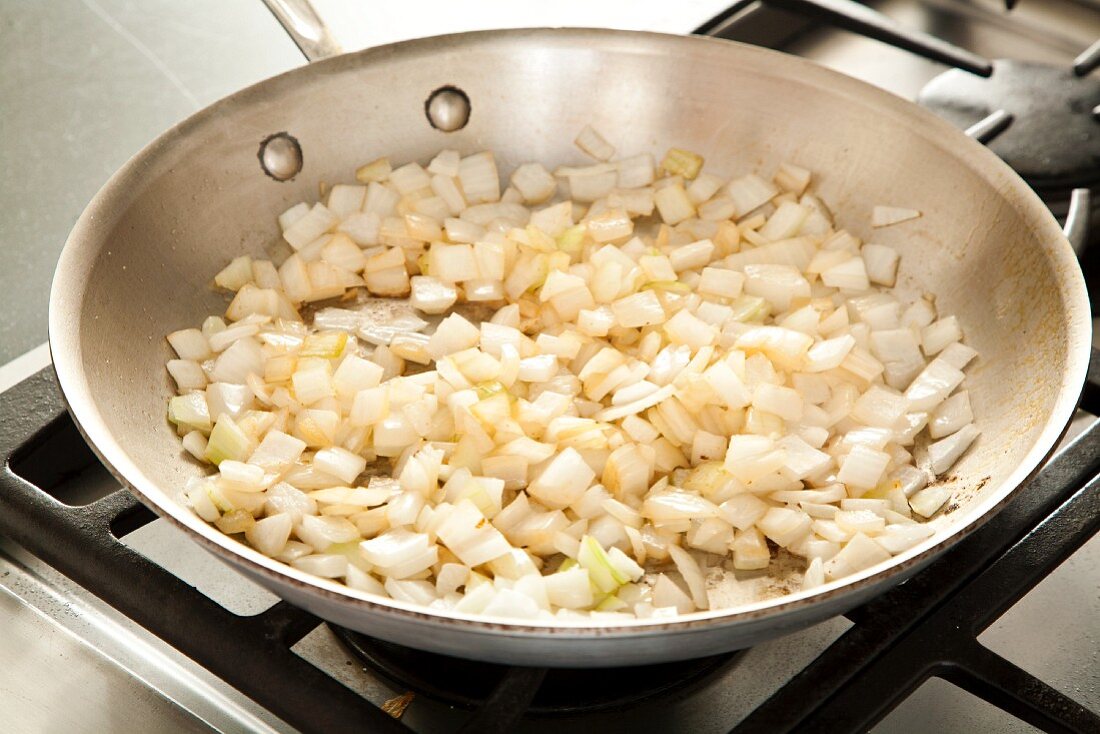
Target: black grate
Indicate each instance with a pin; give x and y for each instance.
(926, 627)
(561, 692)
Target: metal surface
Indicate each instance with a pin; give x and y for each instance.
(310, 34)
(62, 644)
(85, 84)
(470, 684)
(280, 156)
(868, 22)
(1076, 227)
(1053, 143)
(506, 705)
(448, 109)
(54, 665)
(986, 246)
(1047, 31)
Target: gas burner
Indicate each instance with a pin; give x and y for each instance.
(469, 684)
(1054, 139)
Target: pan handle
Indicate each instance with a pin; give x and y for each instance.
(1076, 227)
(304, 26)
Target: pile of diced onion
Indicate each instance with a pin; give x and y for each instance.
(680, 378)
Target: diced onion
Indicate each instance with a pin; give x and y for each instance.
(598, 370)
(945, 452)
(592, 143)
(884, 216)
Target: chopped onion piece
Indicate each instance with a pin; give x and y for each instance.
(478, 174)
(900, 538)
(195, 444)
(328, 566)
(563, 480)
(673, 204)
(692, 574)
(783, 525)
(570, 589)
(750, 551)
(187, 374)
(640, 309)
(929, 500)
(950, 415)
(863, 467)
(792, 178)
(468, 534)
(879, 407)
(236, 274)
(534, 183)
(932, 386)
(679, 162)
(957, 355)
(750, 192)
(635, 171)
(592, 143)
(785, 222)
(937, 336)
(945, 452)
(377, 170)
(849, 275)
(676, 504)
(884, 216)
(881, 264)
(860, 553)
(309, 227)
(270, 535)
(814, 575)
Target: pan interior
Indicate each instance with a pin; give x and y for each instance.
(140, 262)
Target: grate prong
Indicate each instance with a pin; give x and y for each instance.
(852, 16)
(1089, 59)
(989, 127)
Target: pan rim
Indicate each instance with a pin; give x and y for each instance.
(74, 263)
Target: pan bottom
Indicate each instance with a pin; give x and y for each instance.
(470, 684)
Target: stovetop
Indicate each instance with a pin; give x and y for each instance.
(63, 644)
(911, 660)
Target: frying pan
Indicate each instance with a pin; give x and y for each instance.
(139, 262)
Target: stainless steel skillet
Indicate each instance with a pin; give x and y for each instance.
(139, 262)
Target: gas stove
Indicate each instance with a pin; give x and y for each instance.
(131, 627)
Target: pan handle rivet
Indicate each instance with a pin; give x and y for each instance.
(281, 156)
(448, 109)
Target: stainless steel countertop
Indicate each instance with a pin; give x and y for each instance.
(84, 85)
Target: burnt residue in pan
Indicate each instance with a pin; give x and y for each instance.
(962, 496)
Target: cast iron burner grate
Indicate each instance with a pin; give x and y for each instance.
(1054, 139)
(561, 691)
(926, 627)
